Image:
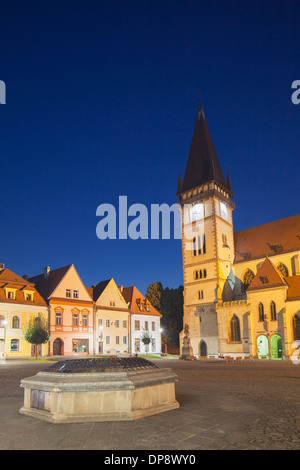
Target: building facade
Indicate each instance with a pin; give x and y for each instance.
(241, 289)
(20, 303)
(71, 310)
(112, 319)
(144, 321)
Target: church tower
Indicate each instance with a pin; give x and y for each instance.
(206, 200)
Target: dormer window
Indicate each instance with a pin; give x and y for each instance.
(11, 295)
(28, 297)
(141, 307)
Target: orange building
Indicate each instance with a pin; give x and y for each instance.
(71, 311)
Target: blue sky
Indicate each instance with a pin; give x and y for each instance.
(102, 98)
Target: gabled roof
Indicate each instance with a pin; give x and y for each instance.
(99, 288)
(203, 163)
(267, 277)
(10, 279)
(268, 239)
(135, 298)
(46, 285)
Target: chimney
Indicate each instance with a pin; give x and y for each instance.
(2, 266)
(25, 277)
(46, 271)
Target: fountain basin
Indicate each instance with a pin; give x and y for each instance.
(92, 390)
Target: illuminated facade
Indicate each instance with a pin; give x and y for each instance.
(241, 289)
(20, 303)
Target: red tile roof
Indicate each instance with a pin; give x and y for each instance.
(269, 239)
(266, 277)
(135, 298)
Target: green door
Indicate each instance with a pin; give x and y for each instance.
(276, 347)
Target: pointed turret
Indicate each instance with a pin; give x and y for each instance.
(228, 184)
(203, 163)
(179, 184)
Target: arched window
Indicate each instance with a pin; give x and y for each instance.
(282, 269)
(273, 311)
(235, 332)
(261, 313)
(247, 278)
(15, 322)
(296, 327)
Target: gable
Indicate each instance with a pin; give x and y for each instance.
(108, 292)
(71, 281)
(267, 277)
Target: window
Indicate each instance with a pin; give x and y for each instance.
(200, 274)
(261, 313)
(10, 295)
(124, 323)
(75, 319)
(141, 307)
(146, 325)
(235, 329)
(199, 245)
(273, 311)
(14, 345)
(117, 323)
(147, 306)
(153, 344)
(28, 297)
(200, 294)
(117, 339)
(112, 303)
(124, 339)
(100, 322)
(15, 322)
(107, 323)
(296, 327)
(247, 279)
(153, 326)
(2, 321)
(282, 269)
(58, 318)
(136, 325)
(68, 292)
(75, 294)
(137, 345)
(107, 339)
(84, 319)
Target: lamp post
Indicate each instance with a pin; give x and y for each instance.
(4, 323)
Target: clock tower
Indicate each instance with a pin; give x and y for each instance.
(206, 200)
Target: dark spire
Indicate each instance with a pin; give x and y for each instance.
(203, 163)
(179, 184)
(228, 183)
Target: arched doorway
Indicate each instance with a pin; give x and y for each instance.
(58, 347)
(203, 348)
(276, 347)
(262, 347)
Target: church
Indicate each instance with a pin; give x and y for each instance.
(241, 289)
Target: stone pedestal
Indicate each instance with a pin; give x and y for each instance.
(61, 395)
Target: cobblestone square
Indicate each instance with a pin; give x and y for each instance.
(251, 405)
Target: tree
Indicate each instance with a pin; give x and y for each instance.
(146, 339)
(168, 302)
(154, 295)
(36, 332)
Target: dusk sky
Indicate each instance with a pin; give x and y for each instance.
(101, 101)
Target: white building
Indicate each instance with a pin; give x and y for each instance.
(144, 320)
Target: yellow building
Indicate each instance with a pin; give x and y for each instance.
(241, 289)
(111, 319)
(19, 303)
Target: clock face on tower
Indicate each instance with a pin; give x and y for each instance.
(196, 212)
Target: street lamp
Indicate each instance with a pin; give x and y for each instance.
(4, 323)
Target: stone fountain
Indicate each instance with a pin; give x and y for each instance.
(99, 389)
